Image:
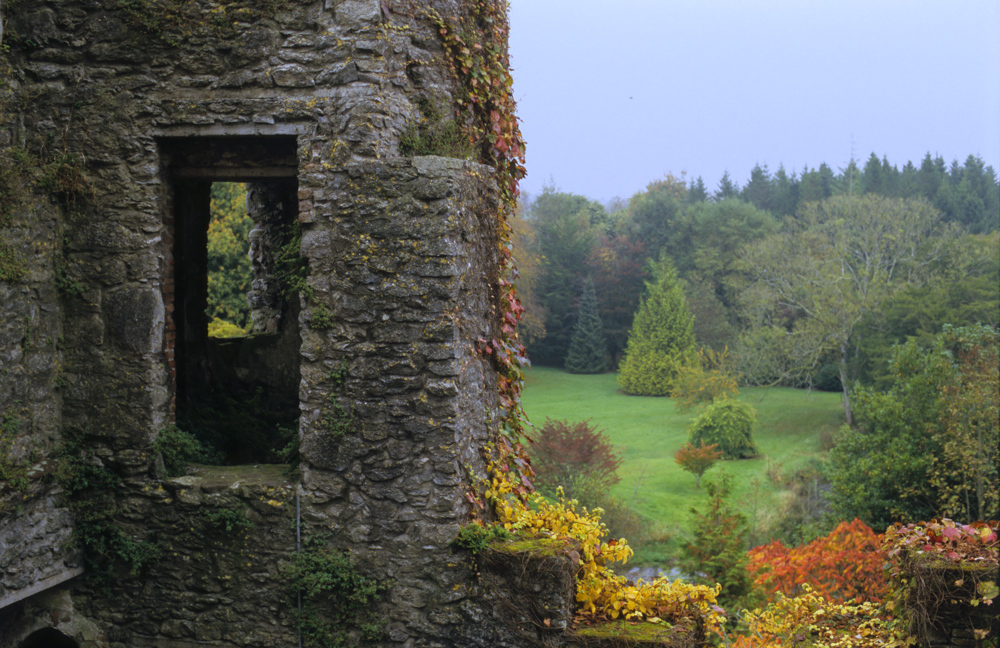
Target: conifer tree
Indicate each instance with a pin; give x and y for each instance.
(661, 339)
(587, 351)
(727, 188)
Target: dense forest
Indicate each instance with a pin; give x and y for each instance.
(933, 225)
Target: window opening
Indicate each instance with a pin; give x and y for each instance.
(236, 338)
(229, 270)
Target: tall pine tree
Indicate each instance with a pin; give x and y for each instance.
(588, 354)
(662, 338)
(727, 188)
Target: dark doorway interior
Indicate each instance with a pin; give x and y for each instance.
(48, 638)
(238, 395)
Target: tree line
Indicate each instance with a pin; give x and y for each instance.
(808, 278)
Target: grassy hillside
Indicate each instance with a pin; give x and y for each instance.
(647, 431)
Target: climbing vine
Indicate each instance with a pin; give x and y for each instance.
(476, 49)
(337, 600)
(92, 493)
(932, 565)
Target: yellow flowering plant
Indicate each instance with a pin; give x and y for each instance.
(601, 594)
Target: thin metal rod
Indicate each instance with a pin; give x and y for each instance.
(298, 551)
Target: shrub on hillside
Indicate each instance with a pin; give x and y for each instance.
(728, 423)
(717, 551)
(705, 381)
(576, 456)
(844, 566)
(697, 460)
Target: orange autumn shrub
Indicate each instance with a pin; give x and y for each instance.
(845, 565)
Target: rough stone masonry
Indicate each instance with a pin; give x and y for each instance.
(115, 116)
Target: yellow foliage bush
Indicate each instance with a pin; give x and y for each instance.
(219, 328)
(821, 621)
(601, 594)
(705, 381)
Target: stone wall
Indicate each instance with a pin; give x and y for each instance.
(33, 526)
(938, 603)
(209, 584)
(36, 545)
(396, 405)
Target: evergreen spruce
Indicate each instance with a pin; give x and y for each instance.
(587, 351)
(661, 340)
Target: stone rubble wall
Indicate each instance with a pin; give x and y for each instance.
(34, 527)
(402, 256)
(209, 586)
(36, 546)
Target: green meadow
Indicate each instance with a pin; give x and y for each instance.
(647, 431)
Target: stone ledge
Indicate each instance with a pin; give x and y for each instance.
(533, 582)
(40, 586)
(640, 634)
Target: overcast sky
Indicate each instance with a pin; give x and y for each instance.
(613, 94)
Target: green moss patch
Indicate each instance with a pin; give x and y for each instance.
(638, 634)
(535, 546)
(218, 477)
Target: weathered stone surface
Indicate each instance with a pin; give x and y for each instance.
(314, 95)
(134, 318)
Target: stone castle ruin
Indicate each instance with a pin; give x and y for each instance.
(116, 116)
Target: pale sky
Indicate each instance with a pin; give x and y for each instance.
(614, 94)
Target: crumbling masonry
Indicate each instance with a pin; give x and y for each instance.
(115, 118)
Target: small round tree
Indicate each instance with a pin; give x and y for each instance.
(697, 460)
(661, 340)
(572, 455)
(728, 423)
(587, 351)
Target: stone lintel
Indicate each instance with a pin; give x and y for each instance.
(40, 586)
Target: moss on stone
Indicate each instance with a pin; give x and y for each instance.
(937, 563)
(535, 546)
(628, 633)
(250, 475)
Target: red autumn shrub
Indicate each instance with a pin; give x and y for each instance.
(566, 454)
(696, 460)
(846, 565)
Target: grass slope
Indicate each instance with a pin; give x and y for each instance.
(647, 431)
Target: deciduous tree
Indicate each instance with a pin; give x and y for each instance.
(928, 447)
(229, 271)
(618, 266)
(697, 459)
(566, 226)
(564, 451)
(848, 255)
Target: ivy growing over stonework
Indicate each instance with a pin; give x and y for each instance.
(337, 600)
(92, 493)
(476, 48)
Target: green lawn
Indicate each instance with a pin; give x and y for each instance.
(647, 431)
